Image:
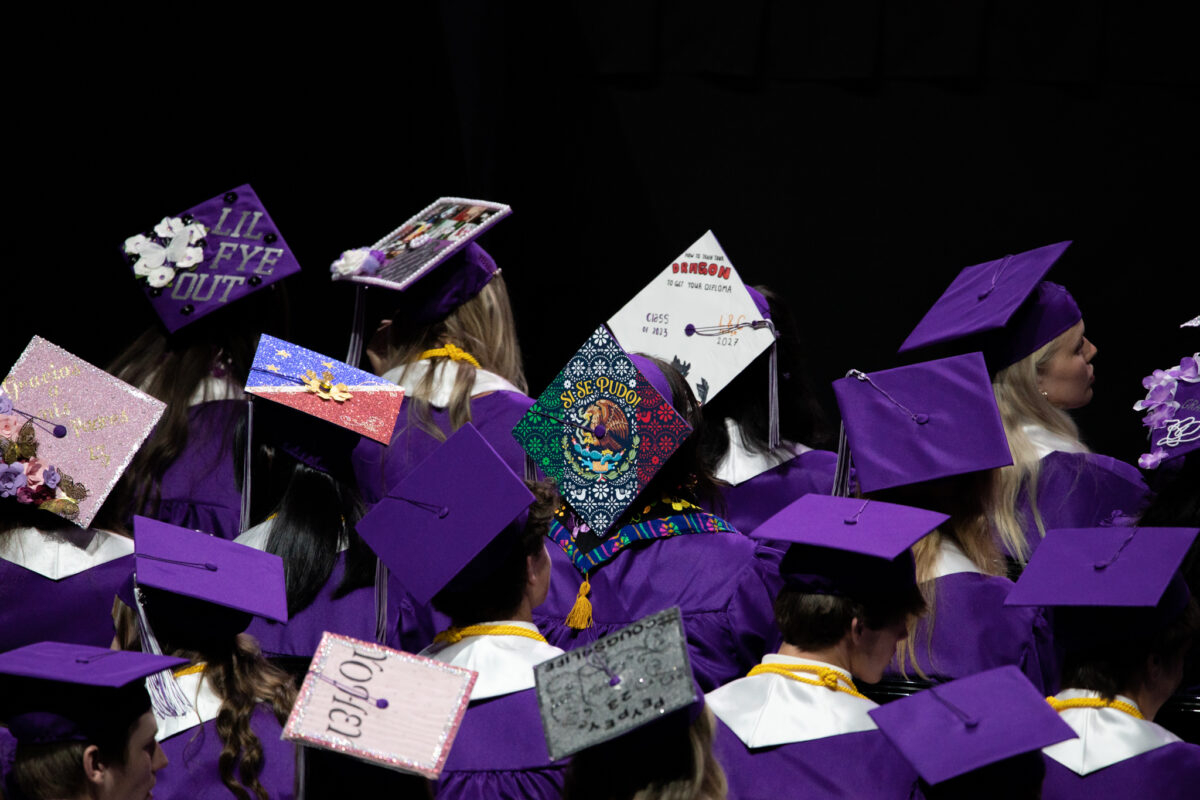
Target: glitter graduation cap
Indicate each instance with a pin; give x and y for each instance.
(209, 256)
(847, 545)
(698, 316)
(602, 429)
(433, 529)
(619, 683)
(921, 422)
(960, 726)
(67, 431)
(59, 692)
(1005, 303)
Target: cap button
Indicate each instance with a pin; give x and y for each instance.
(689, 329)
(189, 308)
(921, 419)
(230, 197)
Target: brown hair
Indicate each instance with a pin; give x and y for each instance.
(817, 621)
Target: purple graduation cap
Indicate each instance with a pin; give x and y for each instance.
(1107, 583)
(1004, 306)
(921, 422)
(1172, 406)
(848, 545)
(449, 520)
(956, 727)
(56, 692)
(209, 256)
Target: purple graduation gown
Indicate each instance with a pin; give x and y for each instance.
(724, 584)
(1170, 772)
(850, 766)
(75, 609)
(974, 631)
(753, 501)
(199, 491)
(1083, 490)
(500, 752)
(376, 468)
(192, 772)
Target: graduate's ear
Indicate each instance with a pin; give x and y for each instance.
(93, 768)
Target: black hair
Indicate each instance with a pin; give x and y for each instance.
(497, 594)
(745, 399)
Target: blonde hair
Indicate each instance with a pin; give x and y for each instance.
(484, 327)
(1022, 403)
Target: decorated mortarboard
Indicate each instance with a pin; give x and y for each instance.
(847, 544)
(966, 724)
(380, 705)
(1006, 302)
(698, 316)
(921, 422)
(1172, 406)
(67, 431)
(602, 429)
(445, 519)
(324, 388)
(617, 684)
(58, 692)
(209, 256)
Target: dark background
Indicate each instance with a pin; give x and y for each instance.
(853, 155)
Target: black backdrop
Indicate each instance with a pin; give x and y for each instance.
(853, 155)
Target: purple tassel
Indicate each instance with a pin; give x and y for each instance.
(381, 577)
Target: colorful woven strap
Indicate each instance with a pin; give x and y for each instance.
(452, 352)
(829, 678)
(189, 670)
(1095, 702)
(454, 635)
(661, 528)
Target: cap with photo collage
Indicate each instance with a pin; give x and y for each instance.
(435, 530)
(53, 692)
(331, 403)
(1002, 307)
(433, 259)
(1172, 406)
(953, 728)
(921, 422)
(1113, 584)
(848, 546)
(231, 581)
(208, 256)
(67, 431)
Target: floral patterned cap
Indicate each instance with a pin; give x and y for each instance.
(67, 431)
(209, 256)
(1172, 406)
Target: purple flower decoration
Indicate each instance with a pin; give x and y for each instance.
(12, 478)
(51, 476)
(1160, 394)
(1160, 415)
(1152, 460)
(1189, 369)
(5, 404)
(1158, 378)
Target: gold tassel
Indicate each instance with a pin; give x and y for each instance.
(581, 613)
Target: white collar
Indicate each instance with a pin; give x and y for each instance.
(1106, 736)
(951, 560)
(739, 464)
(257, 536)
(766, 710)
(1046, 442)
(205, 705)
(210, 389)
(61, 554)
(504, 663)
(408, 376)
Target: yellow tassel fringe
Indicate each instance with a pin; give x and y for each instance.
(581, 613)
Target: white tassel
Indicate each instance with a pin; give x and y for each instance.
(354, 353)
(167, 699)
(773, 398)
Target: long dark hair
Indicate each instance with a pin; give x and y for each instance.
(745, 401)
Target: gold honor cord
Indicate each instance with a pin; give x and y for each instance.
(829, 678)
(455, 635)
(1094, 702)
(452, 352)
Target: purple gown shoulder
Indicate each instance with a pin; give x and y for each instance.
(974, 631)
(76, 609)
(1170, 772)
(192, 771)
(350, 615)
(851, 766)
(1083, 490)
(199, 490)
(724, 584)
(752, 502)
(500, 752)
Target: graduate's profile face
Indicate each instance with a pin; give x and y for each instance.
(1066, 379)
(874, 648)
(134, 780)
